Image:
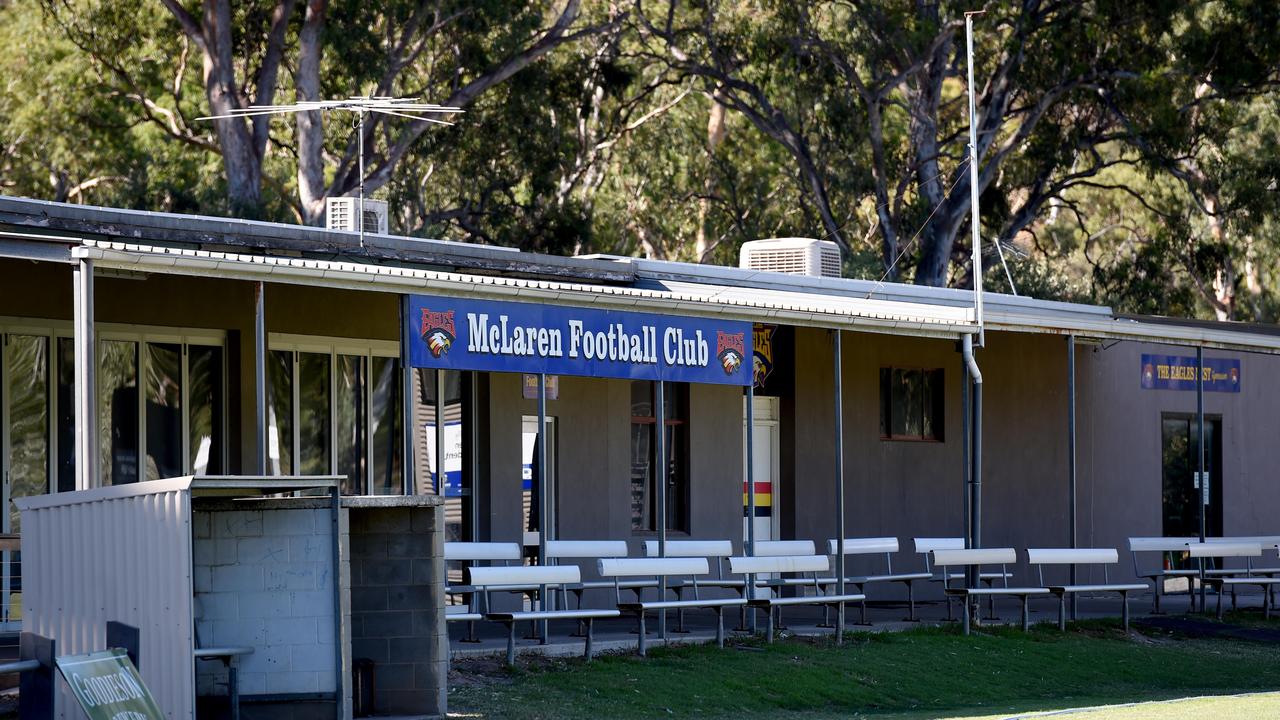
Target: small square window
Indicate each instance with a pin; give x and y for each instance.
(911, 404)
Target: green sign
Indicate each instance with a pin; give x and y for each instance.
(108, 686)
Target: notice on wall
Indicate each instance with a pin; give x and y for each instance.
(108, 686)
(1174, 372)
(457, 334)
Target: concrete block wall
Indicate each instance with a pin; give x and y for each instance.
(263, 578)
(397, 595)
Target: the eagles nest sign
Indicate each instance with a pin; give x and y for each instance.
(458, 334)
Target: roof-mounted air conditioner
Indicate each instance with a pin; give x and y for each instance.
(340, 214)
(793, 256)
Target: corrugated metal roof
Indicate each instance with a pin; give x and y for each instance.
(746, 303)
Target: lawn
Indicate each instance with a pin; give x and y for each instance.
(923, 673)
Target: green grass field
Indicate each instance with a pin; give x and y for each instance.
(925, 673)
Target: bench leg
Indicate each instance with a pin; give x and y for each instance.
(911, 601)
(964, 612)
(511, 644)
(586, 652)
(1266, 603)
(580, 631)
(950, 617)
(781, 625)
(769, 627)
(640, 647)
(1026, 615)
(680, 621)
(1219, 602)
(1124, 611)
(720, 627)
(471, 633)
(233, 688)
(1062, 612)
(862, 607)
(1155, 599)
(840, 620)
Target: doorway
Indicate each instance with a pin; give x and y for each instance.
(765, 438)
(1182, 489)
(531, 485)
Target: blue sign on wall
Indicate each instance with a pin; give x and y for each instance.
(457, 334)
(1174, 372)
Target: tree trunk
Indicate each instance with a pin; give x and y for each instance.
(311, 187)
(715, 136)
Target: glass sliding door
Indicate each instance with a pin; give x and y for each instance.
(26, 370)
(280, 412)
(387, 455)
(351, 423)
(118, 411)
(163, 411)
(204, 424)
(66, 410)
(313, 414)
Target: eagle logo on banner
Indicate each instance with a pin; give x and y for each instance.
(438, 331)
(730, 351)
(762, 353)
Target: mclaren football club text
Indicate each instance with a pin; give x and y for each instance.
(616, 343)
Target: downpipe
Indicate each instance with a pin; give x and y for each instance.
(975, 455)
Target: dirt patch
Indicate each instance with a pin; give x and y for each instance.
(1192, 627)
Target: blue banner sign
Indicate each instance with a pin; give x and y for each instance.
(1174, 372)
(457, 334)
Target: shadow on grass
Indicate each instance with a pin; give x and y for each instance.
(923, 672)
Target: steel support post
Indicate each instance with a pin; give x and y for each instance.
(86, 390)
(260, 377)
(839, 450)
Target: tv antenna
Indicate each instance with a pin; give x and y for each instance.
(360, 105)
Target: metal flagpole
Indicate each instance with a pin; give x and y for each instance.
(839, 491)
(360, 142)
(973, 181)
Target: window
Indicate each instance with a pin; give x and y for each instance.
(445, 399)
(911, 404)
(336, 408)
(644, 498)
(161, 405)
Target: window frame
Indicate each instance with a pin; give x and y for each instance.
(333, 347)
(933, 404)
(56, 330)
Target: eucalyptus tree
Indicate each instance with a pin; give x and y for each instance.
(261, 53)
(1057, 83)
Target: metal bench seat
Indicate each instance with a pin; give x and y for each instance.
(688, 569)
(1129, 587)
(998, 591)
(718, 605)
(770, 603)
(1072, 557)
(511, 618)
